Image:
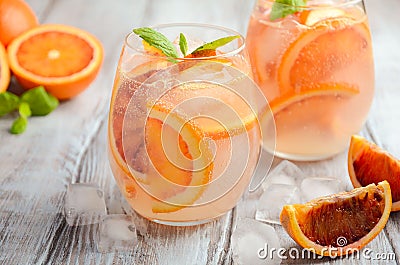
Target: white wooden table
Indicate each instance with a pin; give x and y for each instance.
(69, 145)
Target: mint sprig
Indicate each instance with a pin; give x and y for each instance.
(283, 8)
(34, 102)
(40, 102)
(216, 43)
(157, 40)
(161, 42)
(8, 103)
(183, 44)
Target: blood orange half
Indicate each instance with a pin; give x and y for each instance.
(64, 59)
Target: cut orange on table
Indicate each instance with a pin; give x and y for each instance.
(368, 163)
(64, 59)
(4, 70)
(316, 54)
(339, 224)
(182, 159)
(16, 17)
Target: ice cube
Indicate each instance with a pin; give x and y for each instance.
(271, 202)
(285, 172)
(116, 232)
(315, 187)
(84, 204)
(255, 243)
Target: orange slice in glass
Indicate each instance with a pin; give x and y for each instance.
(64, 59)
(4, 70)
(368, 163)
(320, 90)
(339, 224)
(329, 45)
(181, 158)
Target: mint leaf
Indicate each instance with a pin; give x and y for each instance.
(19, 125)
(24, 110)
(8, 103)
(283, 8)
(183, 44)
(157, 40)
(40, 102)
(216, 43)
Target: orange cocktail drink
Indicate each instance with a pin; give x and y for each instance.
(184, 137)
(314, 64)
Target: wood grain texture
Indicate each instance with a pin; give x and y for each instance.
(69, 145)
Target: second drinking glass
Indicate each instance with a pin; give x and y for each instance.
(314, 64)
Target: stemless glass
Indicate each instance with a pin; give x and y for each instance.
(314, 64)
(184, 133)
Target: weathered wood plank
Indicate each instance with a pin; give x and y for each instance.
(70, 146)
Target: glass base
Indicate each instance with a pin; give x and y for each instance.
(303, 158)
(182, 223)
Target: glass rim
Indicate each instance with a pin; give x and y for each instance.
(326, 6)
(230, 53)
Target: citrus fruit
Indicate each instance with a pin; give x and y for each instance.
(220, 112)
(64, 59)
(182, 159)
(16, 17)
(316, 54)
(339, 224)
(368, 163)
(313, 16)
(4, 70)
(324, 89)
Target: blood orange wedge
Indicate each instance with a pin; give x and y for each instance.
(368, 163)
(182, 159)
(64, 59)
(339, 224)
(4, 70)
(328, 46)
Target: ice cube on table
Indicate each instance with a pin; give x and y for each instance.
(315, 187)
(116, 232)
(285, 172)
(253, 242)
(84, 204)
(271, 202)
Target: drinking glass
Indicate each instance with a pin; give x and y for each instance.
(314, 64)
(185, 133)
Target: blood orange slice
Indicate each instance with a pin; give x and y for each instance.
(339, 224)
(329, 45)
(319, 90)
(64, 59)
(368, 163)
(182, 159)
(4, 70)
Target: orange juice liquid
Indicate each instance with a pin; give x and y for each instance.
(316, 70)
(220, 192)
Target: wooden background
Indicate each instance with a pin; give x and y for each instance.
(69, 145)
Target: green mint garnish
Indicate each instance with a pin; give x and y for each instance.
(8, 103)
(216, 43)
(36, 102)
(283, 8)
(24, 110)
(19, 125)
(157, 40)
(40, 102)
(183, 44)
